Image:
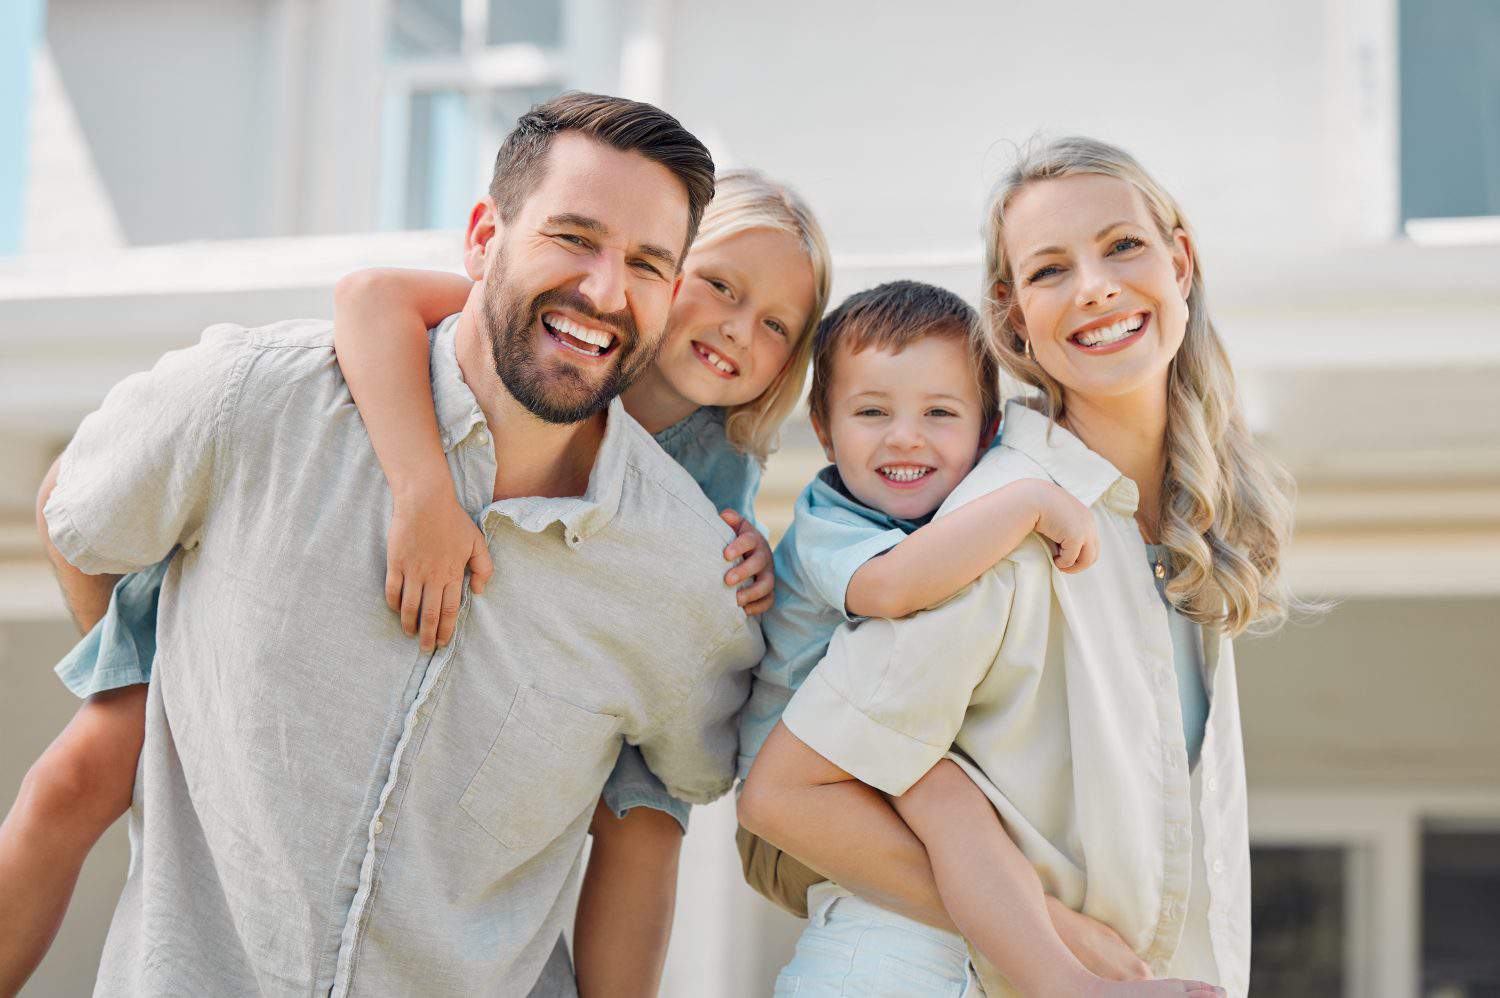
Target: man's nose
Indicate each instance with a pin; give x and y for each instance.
(604, 283)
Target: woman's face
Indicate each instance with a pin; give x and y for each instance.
(1102, 297)
(744, 299)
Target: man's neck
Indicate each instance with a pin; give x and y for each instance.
(1130, 432)
(654, 403)
(532, 457)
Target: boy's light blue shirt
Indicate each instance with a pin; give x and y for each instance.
(118, 650)
(831, 535)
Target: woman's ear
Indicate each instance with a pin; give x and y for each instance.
(1183, 260)
(484, 225)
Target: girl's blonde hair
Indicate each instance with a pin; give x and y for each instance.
(744, 200)
(1226, 511)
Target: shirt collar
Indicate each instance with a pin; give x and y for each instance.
(1069, 462)
(828, 489)
(459, 415)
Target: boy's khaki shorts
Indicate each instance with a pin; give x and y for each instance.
(774, 875)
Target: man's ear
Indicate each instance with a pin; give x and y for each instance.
(484, 225)
(823, 437)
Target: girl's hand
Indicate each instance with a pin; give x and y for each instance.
(756, 566)
(432, 541)
(1098, 947)
(1069, 525)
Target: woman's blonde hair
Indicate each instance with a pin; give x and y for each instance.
(1226, 508)
(745, 200)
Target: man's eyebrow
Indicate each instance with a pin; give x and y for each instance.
(598, 228)
(1045, 250)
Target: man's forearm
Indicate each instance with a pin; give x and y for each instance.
(625, 908)
(87, 596)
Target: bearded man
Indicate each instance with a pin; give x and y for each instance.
(321, 807)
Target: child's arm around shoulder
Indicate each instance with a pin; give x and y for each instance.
(941, 558)
(380, 324)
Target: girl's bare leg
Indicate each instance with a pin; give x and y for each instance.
(81, 784)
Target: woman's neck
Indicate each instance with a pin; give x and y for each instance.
(654, 403)
(1130, 432)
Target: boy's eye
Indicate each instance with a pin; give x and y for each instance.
(868, 411)
(941, 412)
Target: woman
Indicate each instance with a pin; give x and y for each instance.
(1097, 712)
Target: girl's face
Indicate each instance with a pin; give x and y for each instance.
(904, 428)
(1101, 295)
(744, 299)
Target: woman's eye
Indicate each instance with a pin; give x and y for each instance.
(1044, 273)
(1126, 243)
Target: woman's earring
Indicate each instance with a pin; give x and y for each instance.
(1026, 349)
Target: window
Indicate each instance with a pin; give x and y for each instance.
(1460, 914)
(1450, 119)
(1298, 921)
(460, 72)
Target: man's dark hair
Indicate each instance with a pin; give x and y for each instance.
(627, 125)
(893, 316)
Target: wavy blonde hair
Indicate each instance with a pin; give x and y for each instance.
(1226, 508)
(745, 200)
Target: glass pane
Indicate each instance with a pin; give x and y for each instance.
(1461, 915)
(425, 28)
(1297, 921)
(538, 22)
(1450, 108)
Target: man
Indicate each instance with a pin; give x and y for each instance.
(321, 807)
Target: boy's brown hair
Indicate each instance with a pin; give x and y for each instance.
(626, 125)
(893, 316)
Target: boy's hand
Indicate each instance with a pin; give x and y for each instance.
(1098, 947)
(751, 545)
(432, 541)
(1067, 523)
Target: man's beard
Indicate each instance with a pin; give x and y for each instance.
(558, 393)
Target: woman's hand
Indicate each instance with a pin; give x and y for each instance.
(1098, 947)
(1069, 525)
(757, 566)
(432, 541)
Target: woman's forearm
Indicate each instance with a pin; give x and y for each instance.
(839, 827)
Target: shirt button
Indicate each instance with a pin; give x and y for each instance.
(482, 438)
(379, 826)
(1219, 866)
(1213, 785)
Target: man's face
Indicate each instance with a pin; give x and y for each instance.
(579, 282)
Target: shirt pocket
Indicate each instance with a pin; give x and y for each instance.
(546, 767)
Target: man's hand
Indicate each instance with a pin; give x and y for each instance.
(432, 541)
(757, 565)
(1097, 946)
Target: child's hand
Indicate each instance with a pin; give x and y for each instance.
(1067, 523)
(752, 546)
(432, 541)
(1098, 947)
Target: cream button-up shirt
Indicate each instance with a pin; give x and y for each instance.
(1057, 694)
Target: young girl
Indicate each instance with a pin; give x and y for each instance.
(1096, 713)
(731, 368)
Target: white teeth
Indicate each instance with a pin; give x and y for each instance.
(596, 337)
(904, 472)
(1113, 333)
(714, 358)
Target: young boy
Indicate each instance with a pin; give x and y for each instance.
(905, 398)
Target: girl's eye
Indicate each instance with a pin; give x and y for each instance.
(941, 412)
(777, 328)
(1125, 244)
(720, 287)
(1044, 273)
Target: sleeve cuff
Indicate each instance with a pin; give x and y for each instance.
(864, 748)
(848, 561)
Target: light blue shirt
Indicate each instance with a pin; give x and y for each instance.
(1187, 656)
(831, 535)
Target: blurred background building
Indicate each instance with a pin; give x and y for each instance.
(169, 163)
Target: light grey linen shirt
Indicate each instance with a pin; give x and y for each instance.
(321, 808)
(1058, 695)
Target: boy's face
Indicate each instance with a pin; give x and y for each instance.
(904, 428)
